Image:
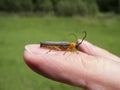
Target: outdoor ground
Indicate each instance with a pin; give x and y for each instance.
(16, 32)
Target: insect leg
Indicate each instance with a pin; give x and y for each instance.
(53, 48)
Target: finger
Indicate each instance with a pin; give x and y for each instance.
(76, 69)
(96, 51)
(55, 64)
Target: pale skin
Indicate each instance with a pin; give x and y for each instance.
(93, 68)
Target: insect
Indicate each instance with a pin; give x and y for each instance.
(62, 46)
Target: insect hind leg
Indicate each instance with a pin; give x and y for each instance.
(53, 48)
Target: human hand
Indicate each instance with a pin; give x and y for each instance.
(92, 68)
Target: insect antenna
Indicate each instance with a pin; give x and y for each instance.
(72, 34)
(85, 34)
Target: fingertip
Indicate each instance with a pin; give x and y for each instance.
(30, 57)
(28, 54)
(34, 59)
(28, 50)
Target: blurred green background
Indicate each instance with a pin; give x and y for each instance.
(22, 24)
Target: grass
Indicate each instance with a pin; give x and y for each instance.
(16, 32)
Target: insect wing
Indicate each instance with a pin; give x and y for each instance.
(50, 43)
(55, 45)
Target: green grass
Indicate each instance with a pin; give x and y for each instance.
(16, 32)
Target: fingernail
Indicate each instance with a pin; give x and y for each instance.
(28, 50)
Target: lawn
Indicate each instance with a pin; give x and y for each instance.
(16, 32)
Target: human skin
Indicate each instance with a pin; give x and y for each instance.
(93, 68)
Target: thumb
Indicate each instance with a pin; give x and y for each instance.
(93, 50)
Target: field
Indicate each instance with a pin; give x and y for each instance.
(16, 32)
